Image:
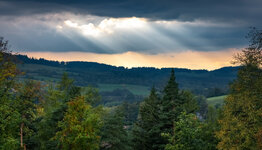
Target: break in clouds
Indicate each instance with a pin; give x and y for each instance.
(112, 27)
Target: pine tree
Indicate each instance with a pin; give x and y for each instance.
(170, 108)
(241, 123)
(146, 132)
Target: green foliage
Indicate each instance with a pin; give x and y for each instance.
(203, 106)
(130, 112)
(66, 85)
(28, 95)
(114, 135)
(91, 95)
(146, 134)
(211, 115)
(157, 115)
(216, 101)
(7, 66)
(241, 122)
(53, 110)
(136, 80)
(134, 89)
(118, 96)
(10, 117)
(80, 126)
(170, 105)
(189, 102)
(9, 124)
(67, 117)
(189, 134)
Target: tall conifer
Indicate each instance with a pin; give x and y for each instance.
(170, 105)
(146, 133)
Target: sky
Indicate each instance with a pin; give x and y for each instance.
(195, 34)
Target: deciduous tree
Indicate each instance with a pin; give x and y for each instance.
(241, 123)
(80, 126)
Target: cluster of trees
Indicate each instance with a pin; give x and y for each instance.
(35, 115)
(118, 96)
(169, 121)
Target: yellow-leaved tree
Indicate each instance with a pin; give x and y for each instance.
(241, 123)
(80, 126)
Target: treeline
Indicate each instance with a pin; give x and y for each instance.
(200, 82)
(63, 116)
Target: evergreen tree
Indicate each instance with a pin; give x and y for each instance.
(146, 133)
(27, 97)
(188, 102)
(170, 108)
(114, 132)
(53, 111)
(68, 89)
(130, 111)
(241, 123)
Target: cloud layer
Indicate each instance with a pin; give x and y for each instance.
(86, 33)
(119, 27)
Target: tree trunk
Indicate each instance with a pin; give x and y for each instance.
(21, 135)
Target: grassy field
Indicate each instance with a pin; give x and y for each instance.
(218, 100)
(33, 67)
(135, 89)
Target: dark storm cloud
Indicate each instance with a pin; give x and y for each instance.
(31, 25)
(247, 11)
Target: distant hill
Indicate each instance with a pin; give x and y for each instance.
(203, 82)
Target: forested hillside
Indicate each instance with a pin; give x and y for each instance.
(201, 82)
